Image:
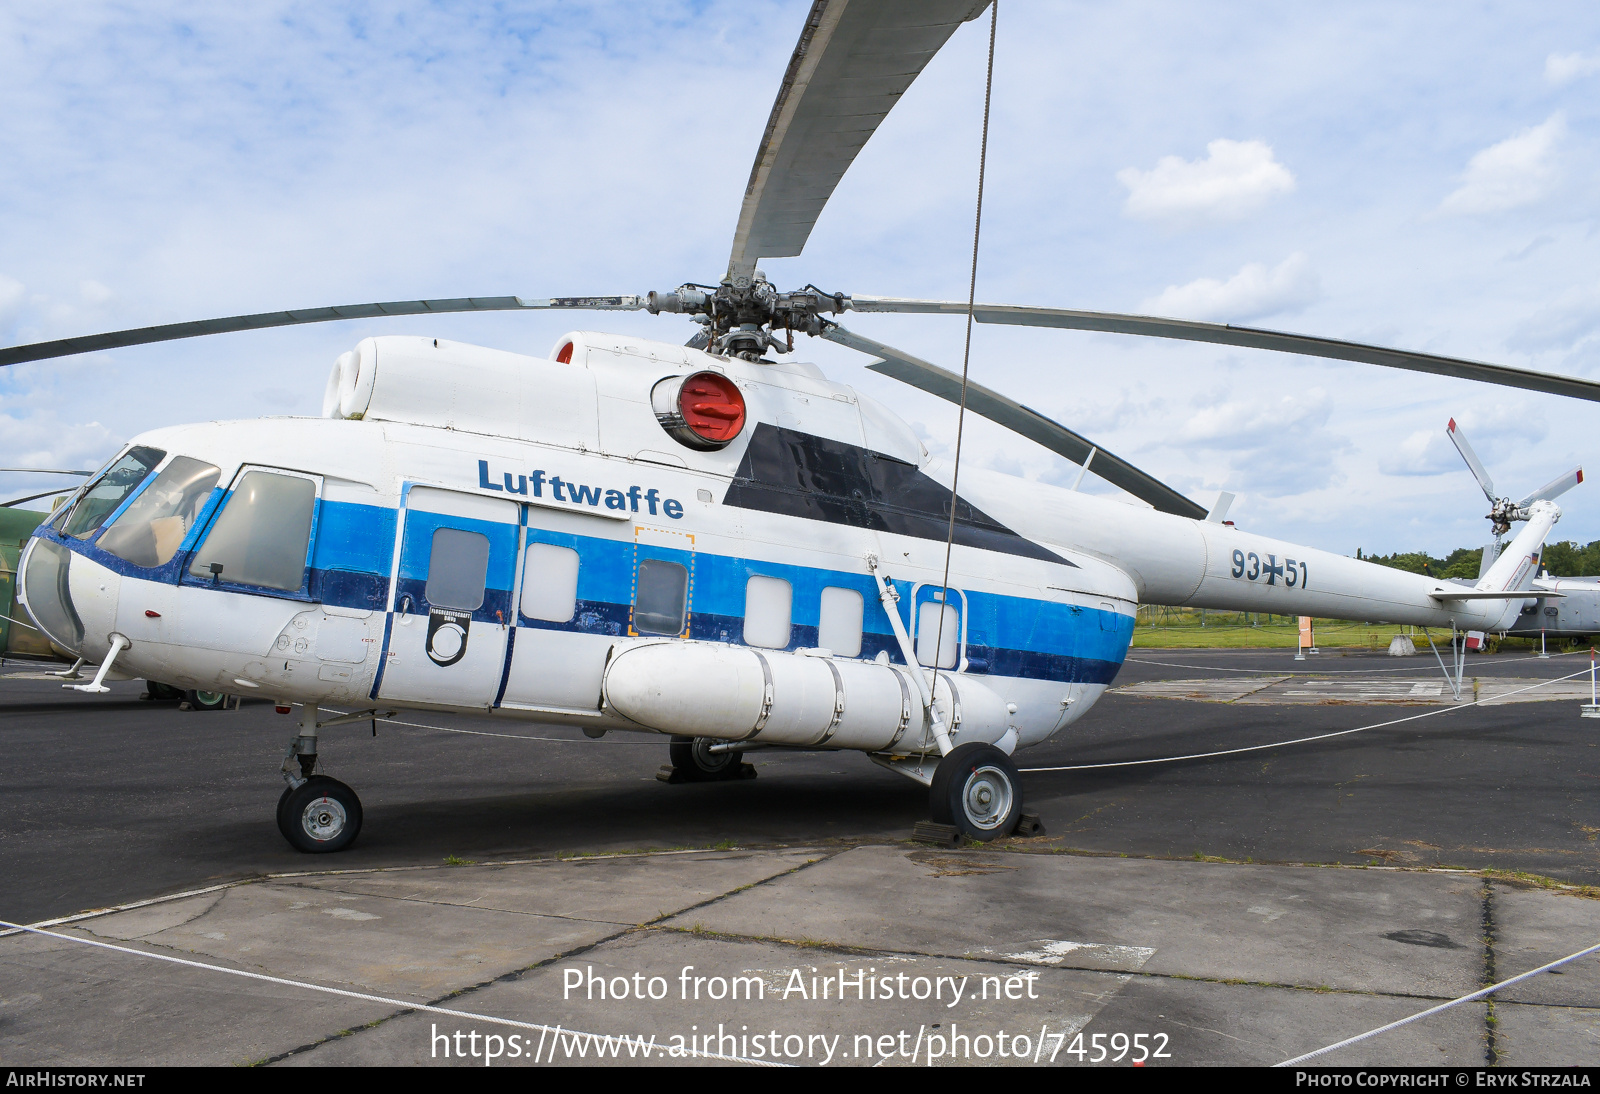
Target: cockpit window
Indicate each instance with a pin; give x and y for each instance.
(109, 491)
(263, 534)
(150, 531)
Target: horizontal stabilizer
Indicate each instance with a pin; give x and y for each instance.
(1476, 594)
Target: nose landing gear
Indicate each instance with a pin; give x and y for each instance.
(316, 814)
(319, 816)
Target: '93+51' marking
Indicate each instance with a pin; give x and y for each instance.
(1250, 567)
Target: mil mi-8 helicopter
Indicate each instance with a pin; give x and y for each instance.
(698, 541)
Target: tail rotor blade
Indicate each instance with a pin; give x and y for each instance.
(1459, 439)
(1554, 488)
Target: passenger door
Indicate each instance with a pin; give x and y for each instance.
(452, 599)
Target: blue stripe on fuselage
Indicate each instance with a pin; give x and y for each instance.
(354, 550)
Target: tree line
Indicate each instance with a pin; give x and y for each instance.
(1564, 559)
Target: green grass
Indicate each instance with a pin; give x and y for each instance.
(1170, 628)
(1181, 628)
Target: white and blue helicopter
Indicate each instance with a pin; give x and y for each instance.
(698, 541)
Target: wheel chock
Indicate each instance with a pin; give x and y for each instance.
(1029, 824)
(940, 835)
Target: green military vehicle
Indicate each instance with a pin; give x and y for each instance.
(20, 640)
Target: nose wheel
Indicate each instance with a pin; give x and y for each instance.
(319, 816)
(976, 788)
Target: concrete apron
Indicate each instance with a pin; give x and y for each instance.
(1208, 962)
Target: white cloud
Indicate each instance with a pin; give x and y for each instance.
(1235, 178)
(11, 292)
(1425, 452)
(1253, 292)
(1517, 171)
(1494, 431)
(1560, 68)
(1562, 324)
(1273, 446)
(93, 292)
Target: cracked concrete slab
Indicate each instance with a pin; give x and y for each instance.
(390, 947)
(1254, 1026)
(1272, 924)
(1534, 927)
(862, 1032)
(65, 1004)
(1236, 964)
(1547, 1036)
(616, 889)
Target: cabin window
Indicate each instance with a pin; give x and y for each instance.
(150, 531)
(458, 569)
(549, 582)
(109, 491)
(768, 606)
(661, 595)
(839, 622)
(262, 536)
(929, 634)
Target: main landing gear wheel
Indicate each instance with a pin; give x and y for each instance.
(320, 816)
(205, 700)
(163, 693)
(976, 788)
(693, 761)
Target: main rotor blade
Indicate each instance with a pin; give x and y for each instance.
(854, 60)
(1460, 440)
(1554, 488)
(1019, 419)
(90, 343)
(35, 497)
(1226, 334)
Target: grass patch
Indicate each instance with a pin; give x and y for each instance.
(455, 860)
(1190, 628)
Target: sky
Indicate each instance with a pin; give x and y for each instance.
(1425, 176)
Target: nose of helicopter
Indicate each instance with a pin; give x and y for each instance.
(47, 594)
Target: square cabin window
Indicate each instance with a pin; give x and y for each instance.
(839, 622)
(660, 597)
(549, 582)
(458, 568)
(768, 606)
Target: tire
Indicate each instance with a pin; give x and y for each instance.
(205, 700)
(689, 756)
(976, 788)
(320, 816)
(164, 693)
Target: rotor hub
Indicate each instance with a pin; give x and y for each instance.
(746, 320)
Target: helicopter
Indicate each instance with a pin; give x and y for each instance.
(711, 541)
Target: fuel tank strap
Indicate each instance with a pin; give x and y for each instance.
(766, 697)
(838, 701)
(905, 708)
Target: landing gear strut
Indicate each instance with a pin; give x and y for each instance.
(694, 761)
(977, 790)
(316, 814)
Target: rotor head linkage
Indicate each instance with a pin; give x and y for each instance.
(746, 320)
